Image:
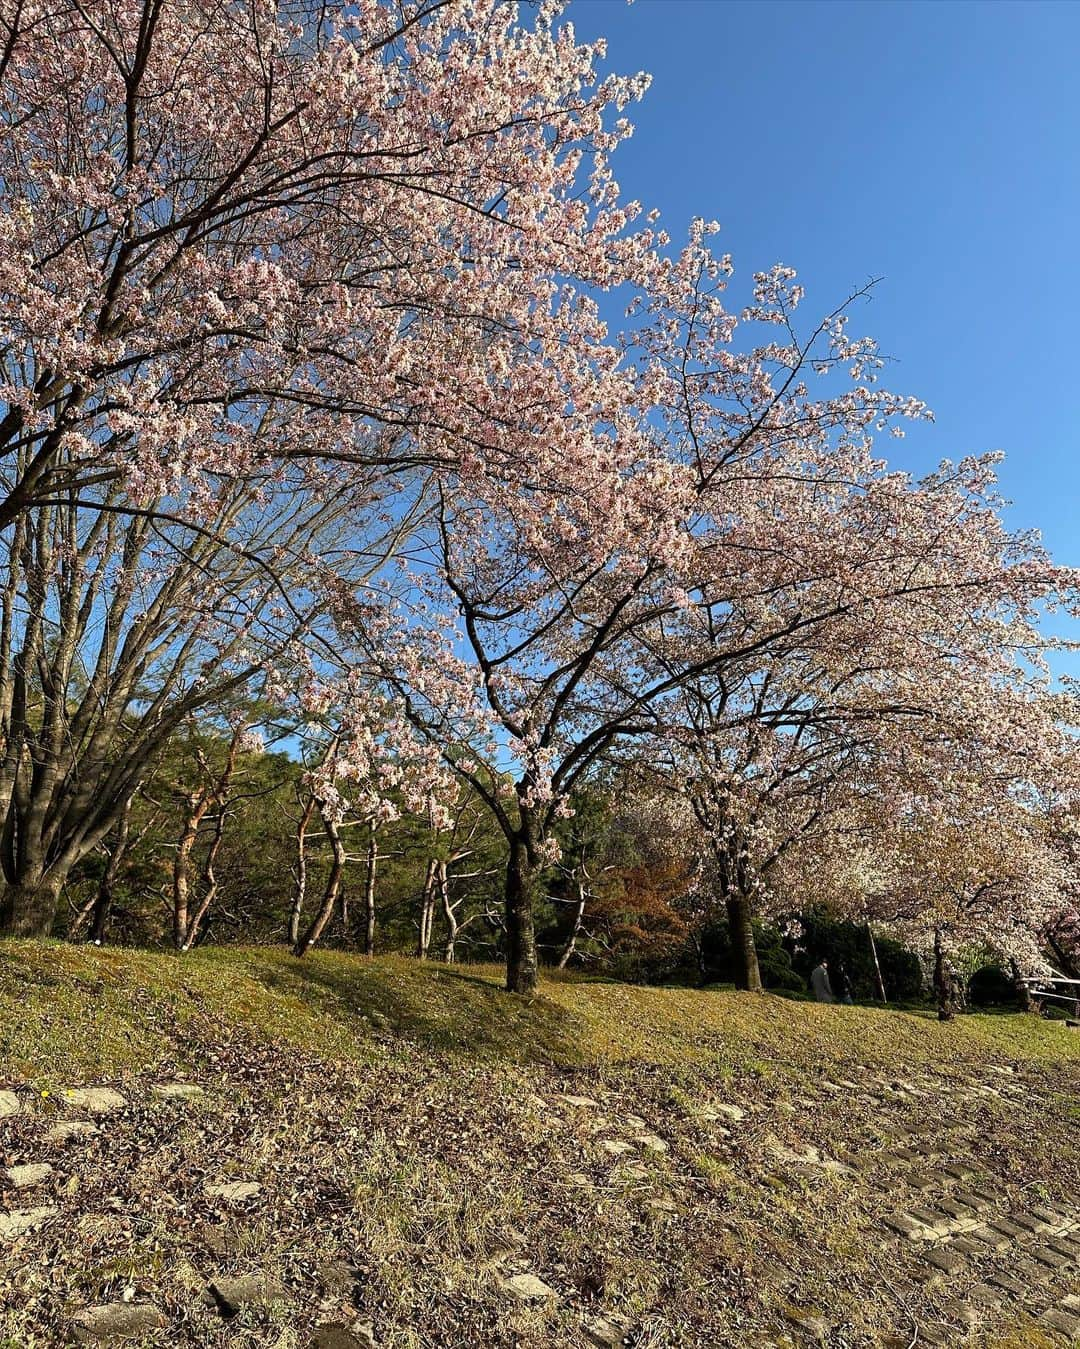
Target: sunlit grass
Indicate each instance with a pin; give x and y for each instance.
(82, 1012)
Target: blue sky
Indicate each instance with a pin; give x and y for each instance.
(934, 145)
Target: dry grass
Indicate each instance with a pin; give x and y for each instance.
(410, 1123)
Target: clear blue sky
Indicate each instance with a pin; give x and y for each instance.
(934, 145)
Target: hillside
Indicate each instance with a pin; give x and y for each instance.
(338, 1153)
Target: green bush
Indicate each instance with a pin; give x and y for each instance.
(991, 986)
(847, 944)
(774, 961)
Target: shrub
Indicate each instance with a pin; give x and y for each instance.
(991, 986)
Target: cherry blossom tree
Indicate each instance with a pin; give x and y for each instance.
(954, 846)
(270, 251)
(739, 523)
(771, 778)
(237, 236)
(777, 763)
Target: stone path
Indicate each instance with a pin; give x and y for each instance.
(955, 1224)
(996, 1257)
(983, 1257)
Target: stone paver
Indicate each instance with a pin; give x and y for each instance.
(528, 1288)
(1052, 1259)
(995, 1239)
(344, 1337)
(944, 1259)
(116, 1321)
(1055, 1221)
(966, 1246)
(958, 1170)
(938, 1223)
(15, 1224)
(180, 1091)
(28, 1175)
(1059, 1319)
(65, 1130)
(233, 1191)
(976, 1200)
(231, 1293)
(652, 1142)
(9, 1105)
(1029, 1223)
(603, 1333)
(986, 1296)
(955, 1209)
(906, 1226)
(98, 1100)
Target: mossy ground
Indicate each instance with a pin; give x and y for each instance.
(82, 1011)
(412, 1124)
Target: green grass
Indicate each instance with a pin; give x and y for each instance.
(82, 1012)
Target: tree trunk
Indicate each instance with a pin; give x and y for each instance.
(427, 910)
(107, 889)
(29, 909)
(369, 891)
(333, 885)
(1023, 991)
(699, 960)
(83, 915)
(300, 875)
(448, 912)
(521, 971)
(944, 981)
(571, 941)
(743, 950)
(198, 804)
(210, 883)
(878, 980)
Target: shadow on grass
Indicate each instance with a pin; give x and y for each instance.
(436, 1007)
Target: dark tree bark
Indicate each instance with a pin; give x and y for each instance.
(1023, 991)
(520, 896)
(743, 949)
(944, 982)
(103, 900)
(29, 910)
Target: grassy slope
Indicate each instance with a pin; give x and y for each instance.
(78, 1012)
(412, 1121)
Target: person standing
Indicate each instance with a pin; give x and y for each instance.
(819, 982)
